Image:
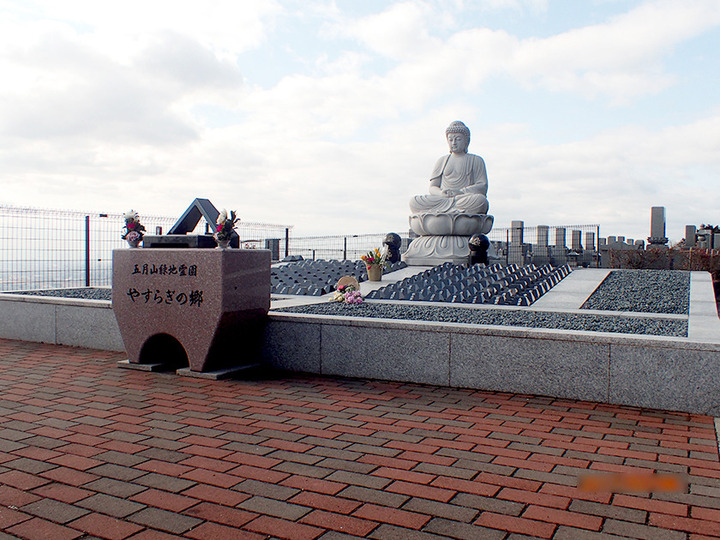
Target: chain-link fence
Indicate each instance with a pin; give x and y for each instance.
(349, 247)
(571, 236)
(41, 248)
(557, 244)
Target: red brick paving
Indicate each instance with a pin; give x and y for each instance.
(303, 457)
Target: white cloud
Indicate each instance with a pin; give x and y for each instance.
(65, 86)
(110, 110)
(613, 177)
(119, 29)
(170, 72)
(77, 93)
(621, 58)
(534, 6)
(180, 58)
(398, 32)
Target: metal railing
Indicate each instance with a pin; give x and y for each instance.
(337, 247)
(530, 235)
(577, 243)
(41, 248)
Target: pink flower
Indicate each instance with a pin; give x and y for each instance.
(353, 297)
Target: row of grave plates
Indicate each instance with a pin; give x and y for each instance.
(506, 285)
(477, 284)
(316, 278)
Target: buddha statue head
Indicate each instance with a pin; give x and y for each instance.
(458, 137)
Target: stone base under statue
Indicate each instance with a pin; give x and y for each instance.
(434, 250)
(451, 224)
(444, 237)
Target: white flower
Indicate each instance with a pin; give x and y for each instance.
(131, 215)
(222, 218)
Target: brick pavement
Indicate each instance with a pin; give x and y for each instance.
(88, 450)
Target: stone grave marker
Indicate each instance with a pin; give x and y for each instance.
(200, 308)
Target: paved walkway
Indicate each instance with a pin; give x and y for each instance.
(90, 450)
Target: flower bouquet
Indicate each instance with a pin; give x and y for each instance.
(347, 294)
(133, 229)
(375, 260)
(224, 228)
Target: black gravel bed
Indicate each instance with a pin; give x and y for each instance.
(317, 278)
(638, 291)
(523, 318)
(643, 291)
(84, 293)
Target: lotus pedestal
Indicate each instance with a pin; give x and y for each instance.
(444, 237)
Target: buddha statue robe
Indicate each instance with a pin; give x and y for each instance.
(458, 185)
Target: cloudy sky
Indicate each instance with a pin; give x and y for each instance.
(328, 115)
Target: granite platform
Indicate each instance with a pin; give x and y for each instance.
(647, 371)
(670, 373)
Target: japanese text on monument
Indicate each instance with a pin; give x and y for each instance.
(165, 270)
(191, 298)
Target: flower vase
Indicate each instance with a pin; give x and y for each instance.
(223, 244)
(134, 243)
(375, 272)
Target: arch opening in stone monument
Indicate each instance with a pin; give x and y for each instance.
(164, 349)
(455, 207)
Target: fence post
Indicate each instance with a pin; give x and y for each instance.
(287, 241)
(597, 243)
(507, 247)
(87, 251)
(344, 248)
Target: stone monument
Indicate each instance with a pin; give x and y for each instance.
(455, 207)
(517, 248)
(197, 308)
(180, 235)
(657, 237)
(541, 252)
(690, 236)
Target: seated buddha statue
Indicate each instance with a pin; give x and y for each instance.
(458, 183)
